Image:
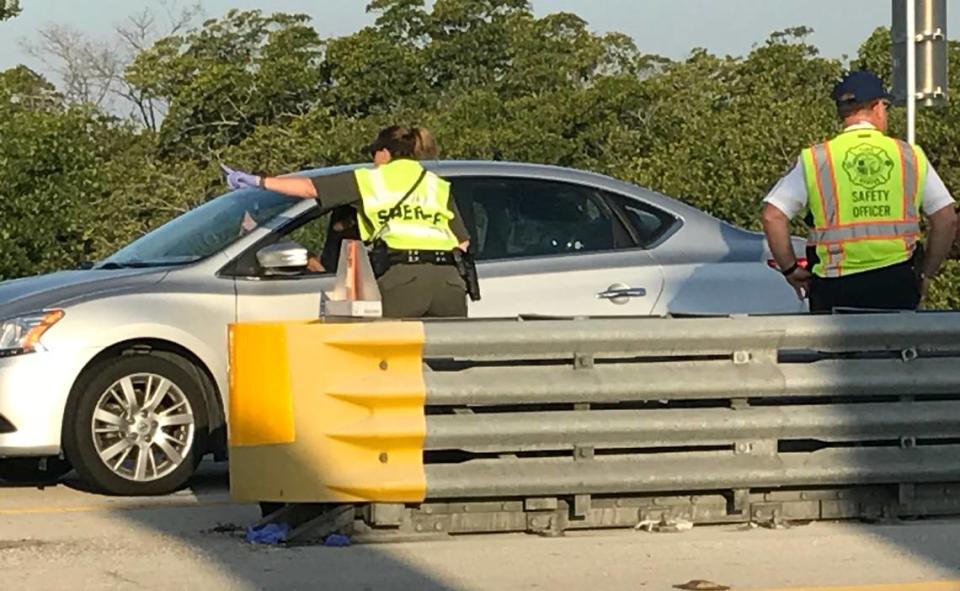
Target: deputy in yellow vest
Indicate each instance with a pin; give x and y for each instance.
(863, 192)
(406, 207)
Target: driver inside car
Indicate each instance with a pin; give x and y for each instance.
(248, 224)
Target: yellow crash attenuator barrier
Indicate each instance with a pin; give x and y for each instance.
(327, 412)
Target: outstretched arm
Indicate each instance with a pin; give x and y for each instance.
(295, 186)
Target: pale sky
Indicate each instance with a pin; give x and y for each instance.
(667, 27)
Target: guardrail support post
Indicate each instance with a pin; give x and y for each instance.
(906, 492)
(581, 506)
(741, 501)
(386, 514)
(541, 504)
(544, 517)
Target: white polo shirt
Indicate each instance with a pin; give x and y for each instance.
(789, 195)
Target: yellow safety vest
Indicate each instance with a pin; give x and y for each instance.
(864, 190)
(422, 222)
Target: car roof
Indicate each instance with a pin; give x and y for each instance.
(461, 168)
(477, 167)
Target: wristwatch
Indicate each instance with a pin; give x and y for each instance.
(789, 270)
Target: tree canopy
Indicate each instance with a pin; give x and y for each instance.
(9, 9)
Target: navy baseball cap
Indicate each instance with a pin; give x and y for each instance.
(859, 87)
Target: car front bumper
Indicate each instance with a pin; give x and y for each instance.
(33, 393)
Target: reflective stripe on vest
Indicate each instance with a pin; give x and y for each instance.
(827, 192)
(867, 161)
(826, 182)
(908, 169)
(423, 219)
(865, 231)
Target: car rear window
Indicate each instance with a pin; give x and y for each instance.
(514, 217)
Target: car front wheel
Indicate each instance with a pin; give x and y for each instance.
(136, 426)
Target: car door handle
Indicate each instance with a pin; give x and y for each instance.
(622, 292)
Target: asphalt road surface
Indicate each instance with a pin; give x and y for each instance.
(63, 538)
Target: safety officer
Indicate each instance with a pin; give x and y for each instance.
(863, 191)
(407, 214)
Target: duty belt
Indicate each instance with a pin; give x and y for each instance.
(419, 257)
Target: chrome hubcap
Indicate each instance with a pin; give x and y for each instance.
(143, 427)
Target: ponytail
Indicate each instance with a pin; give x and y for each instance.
(424, 147)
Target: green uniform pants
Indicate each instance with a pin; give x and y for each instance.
(420, 291)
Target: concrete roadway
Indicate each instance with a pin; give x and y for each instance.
(63, 538)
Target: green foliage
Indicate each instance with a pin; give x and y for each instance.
(722, 130)
(490, 79)
(54, 198)
(229, 78)
(9, 9)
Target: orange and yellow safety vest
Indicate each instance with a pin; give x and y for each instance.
(864, 193)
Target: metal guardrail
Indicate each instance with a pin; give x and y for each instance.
(552, 413)
(671, 428)
(653, 336)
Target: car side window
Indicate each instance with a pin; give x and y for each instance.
(310, 231)
(322, 237)
(311, 235)
(516, 217)
(649, 223)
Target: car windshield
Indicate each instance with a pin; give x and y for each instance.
(203, 231)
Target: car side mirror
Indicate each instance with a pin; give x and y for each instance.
(283, 258)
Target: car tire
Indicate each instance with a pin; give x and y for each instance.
(121, 440)
(30, 470)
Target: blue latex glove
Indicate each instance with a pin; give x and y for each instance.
(271, 533)
(336, 541)
(240, 180)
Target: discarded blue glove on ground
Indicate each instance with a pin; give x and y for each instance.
(271, 533)
(336, 541)
(240, 180)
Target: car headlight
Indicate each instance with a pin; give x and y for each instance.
(22, 334)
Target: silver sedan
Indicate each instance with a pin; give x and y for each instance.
(119, 370)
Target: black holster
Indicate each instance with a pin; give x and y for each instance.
(467, 267)
(917, 262)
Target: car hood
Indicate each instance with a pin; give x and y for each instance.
(31, 294)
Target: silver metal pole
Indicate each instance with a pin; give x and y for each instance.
(911, 71)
